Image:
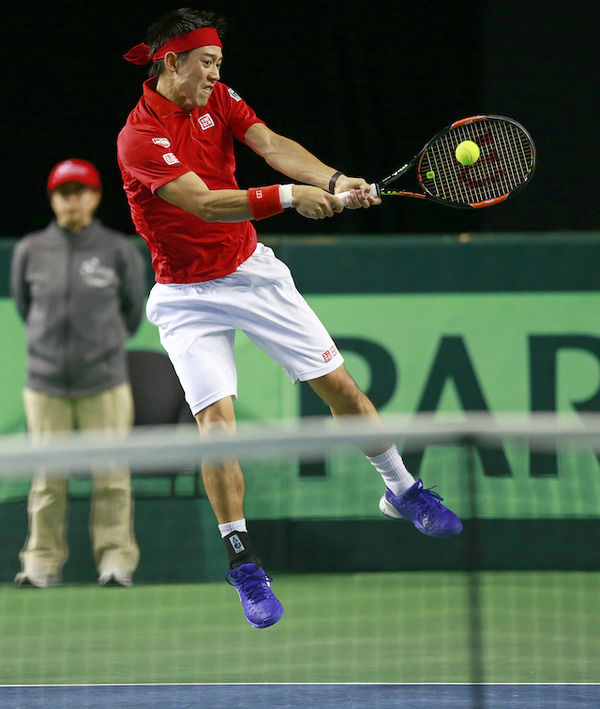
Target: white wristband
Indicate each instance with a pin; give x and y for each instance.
(285, 196)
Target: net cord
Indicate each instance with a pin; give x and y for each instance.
(156, 448)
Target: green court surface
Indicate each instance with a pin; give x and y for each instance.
(375, 627)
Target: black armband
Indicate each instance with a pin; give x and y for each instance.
(333, 180)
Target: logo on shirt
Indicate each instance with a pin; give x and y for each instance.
(162, 142)
(95, 275)
(170, 159)
(234, 96)
(206, 121)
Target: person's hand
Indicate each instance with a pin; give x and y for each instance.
(359, 192)
(315, 203)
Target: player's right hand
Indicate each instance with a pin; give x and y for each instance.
(358, 192)
(315, 203)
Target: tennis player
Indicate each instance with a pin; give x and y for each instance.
(176, 154)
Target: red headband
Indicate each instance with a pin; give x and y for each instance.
(202, 37)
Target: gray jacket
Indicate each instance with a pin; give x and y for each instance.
(81, 296)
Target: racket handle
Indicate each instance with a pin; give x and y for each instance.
(344, 195)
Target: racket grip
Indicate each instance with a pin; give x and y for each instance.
(344, 195)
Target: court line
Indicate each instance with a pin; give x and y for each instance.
(294, 695)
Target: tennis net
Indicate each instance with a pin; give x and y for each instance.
(504, 612)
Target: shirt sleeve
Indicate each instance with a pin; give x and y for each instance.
(133, 286)
(18, 286)
(147, 157)
(239, 115)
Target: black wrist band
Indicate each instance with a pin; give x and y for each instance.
(334, 179)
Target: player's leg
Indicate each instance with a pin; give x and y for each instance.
(277, 318)
(194, 330)
(341, 393)
(404, 497)
(223, 480)
(115, 549)
(343, 396)
(45, 551)
(224, 484)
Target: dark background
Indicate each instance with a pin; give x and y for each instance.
(361, 88)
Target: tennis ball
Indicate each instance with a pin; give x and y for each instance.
(467, 152)
(430, 175)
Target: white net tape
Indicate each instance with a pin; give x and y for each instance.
(154, 448)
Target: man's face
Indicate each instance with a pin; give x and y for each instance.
(196, 77)
(74, 205)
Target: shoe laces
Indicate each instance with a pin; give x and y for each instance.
(255, 585)
(428, 492)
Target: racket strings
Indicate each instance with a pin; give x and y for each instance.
(505, 163)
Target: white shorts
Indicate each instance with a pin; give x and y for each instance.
(197, 324)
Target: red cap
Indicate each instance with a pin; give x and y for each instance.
(80, 171)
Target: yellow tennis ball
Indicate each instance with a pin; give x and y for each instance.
(467, 152)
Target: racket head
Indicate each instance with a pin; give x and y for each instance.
(506, 163)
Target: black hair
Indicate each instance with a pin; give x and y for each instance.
(176, 23)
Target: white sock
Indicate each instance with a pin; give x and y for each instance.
(393, 471)
(238, 526)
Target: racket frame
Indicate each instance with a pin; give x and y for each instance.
(381, 186)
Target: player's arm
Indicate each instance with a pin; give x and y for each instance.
(290, 158)
(191, 193)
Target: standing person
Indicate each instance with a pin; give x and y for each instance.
(80, 289)
(176, 154)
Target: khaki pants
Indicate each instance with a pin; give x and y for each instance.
(111, 519)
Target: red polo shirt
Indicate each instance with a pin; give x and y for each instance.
(161, 142)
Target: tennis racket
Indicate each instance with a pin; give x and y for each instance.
(506, 164)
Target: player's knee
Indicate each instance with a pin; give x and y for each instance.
(217, 416)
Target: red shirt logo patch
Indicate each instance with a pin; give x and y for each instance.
(206, 121)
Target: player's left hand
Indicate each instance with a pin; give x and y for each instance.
(360, 189)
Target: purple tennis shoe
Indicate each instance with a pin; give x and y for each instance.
(260, 605)
(424, 509)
